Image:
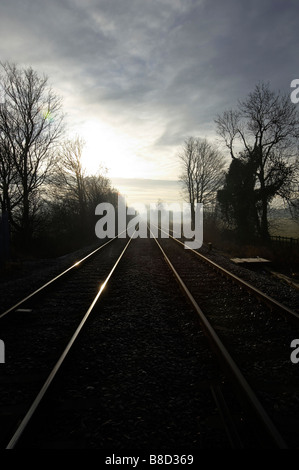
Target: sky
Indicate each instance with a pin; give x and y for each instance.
(137, 77)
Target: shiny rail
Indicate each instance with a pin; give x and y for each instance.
(23, 424)
(225, 356)
(273, 304)
(56, 278)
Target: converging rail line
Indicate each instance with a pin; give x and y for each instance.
(266, 337)
(55, 279)
(142, 309)
(266, 299)
(215, 390)
(22, 426)
(232, 366)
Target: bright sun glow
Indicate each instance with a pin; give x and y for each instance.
(111, 149)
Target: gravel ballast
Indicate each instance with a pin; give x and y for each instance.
(141, 373)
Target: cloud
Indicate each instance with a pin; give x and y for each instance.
(159, 69)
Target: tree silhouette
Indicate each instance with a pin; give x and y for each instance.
(266, 125)
(30, 127)
(202, 172)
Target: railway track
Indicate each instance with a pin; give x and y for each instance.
(270, 302)
(22, 303)
(141, 373)
(37, 328)
(256, 329)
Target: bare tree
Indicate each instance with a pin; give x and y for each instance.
(202, 172)
(74, 195)
(70, 178)
(71, 182)
(98, 189)
(266, 127)
(8, 197)
(30, 127)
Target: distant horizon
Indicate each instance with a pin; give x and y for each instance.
(148, 190)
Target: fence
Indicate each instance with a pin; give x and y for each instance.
(286, 241)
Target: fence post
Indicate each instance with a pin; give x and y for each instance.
(292, 244)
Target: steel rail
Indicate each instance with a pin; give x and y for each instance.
(227, 419)
(47, 284)
(266, 299)
(252, 399)
(18, 433)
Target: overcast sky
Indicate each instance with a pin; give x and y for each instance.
(139, 76)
